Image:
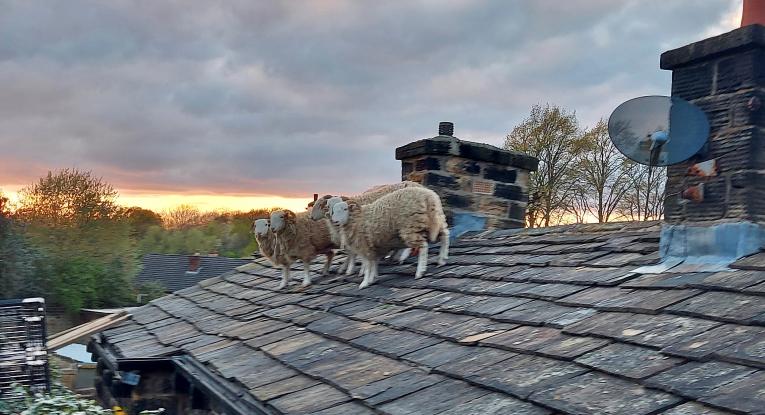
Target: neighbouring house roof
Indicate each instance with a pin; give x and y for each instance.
(171, 270)
(540, 321)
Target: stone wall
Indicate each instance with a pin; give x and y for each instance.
(725, 77)
(470, 177)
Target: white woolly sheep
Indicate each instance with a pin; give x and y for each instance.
(322, 208)
(267, 242)
(299, 237)
(407, 218)
(319, 208)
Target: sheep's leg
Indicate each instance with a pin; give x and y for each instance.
(422, 260)
(307, 275)
(343, 267)
(285, 277)
(330, 255)
(370, 273)
(350, 262)
(404, 254)
(363, 267)
(443, 252)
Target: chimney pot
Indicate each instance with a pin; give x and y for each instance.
(194, 262)
(446, 128)
(753, 13)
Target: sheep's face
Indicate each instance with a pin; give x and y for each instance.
(340, 213)
(261, 227)
(317, 210)
(277, 220)
(330, 203)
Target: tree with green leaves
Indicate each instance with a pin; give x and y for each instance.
(552, 135)
(141, 220)
(89, 257)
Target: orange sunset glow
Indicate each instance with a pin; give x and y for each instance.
(159, 202)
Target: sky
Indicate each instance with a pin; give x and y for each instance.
(243, 104)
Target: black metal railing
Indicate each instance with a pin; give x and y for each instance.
(23, 350)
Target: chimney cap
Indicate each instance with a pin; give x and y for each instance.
(446, 128)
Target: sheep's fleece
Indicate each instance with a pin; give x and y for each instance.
(406, 218)
(299, 237)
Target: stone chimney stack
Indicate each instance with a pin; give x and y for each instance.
(481, 186)
(725, 77)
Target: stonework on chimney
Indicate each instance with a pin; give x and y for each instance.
(477, 182)
(725, 77)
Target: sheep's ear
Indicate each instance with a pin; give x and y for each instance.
(326, 197)
(354, 207)
(289, 215)
(345, 198)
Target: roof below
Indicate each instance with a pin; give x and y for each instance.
(170, 270)
(541, 321)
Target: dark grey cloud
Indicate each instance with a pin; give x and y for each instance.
(295, 97)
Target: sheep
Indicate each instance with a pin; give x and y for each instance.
(299, 237)
(319, 207)
(267, 242)
(322, 207)
(409, 218)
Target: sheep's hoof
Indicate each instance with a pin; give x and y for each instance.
(363, 284)
(281, 286)
(418, 275)
(441, 262)
(306, 283)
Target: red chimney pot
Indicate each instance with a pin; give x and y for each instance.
(194, 261)
(754, 12)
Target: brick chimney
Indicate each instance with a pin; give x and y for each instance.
(481, 186)
(725, 77)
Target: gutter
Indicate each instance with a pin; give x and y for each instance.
(227, 398)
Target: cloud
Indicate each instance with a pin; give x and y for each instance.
(292, 98)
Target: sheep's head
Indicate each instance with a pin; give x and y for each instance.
(342, 211)
(332, 202)
(261, 227)
(280, 218)
(318, 208)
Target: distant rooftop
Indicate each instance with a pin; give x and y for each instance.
(176, 272)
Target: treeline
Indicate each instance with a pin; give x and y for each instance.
(69, 241)
(582, 177)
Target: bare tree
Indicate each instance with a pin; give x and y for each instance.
(644, 199)
(552, 135)
(182, 217)
(602, 176)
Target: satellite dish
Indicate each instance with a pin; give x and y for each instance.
(658, 130)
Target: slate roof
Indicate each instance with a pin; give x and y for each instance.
(170, 270)
(550, 320)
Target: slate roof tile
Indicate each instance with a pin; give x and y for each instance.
(523, 321)
(722, 306)
(693, 408)
(595, 393)
(628, 361)
(434, 399)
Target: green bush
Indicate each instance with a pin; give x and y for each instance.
(60, 401)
